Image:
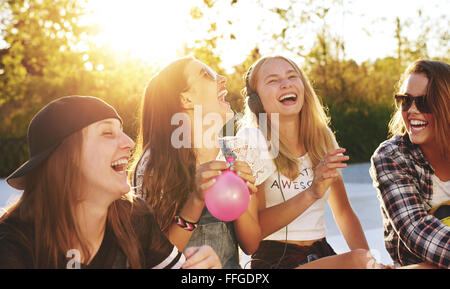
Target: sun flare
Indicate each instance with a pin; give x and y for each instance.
(151, 30)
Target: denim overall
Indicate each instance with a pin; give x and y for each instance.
(220, 236)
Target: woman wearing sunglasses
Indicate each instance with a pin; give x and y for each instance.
(77, 210)
(411, 170)
(175, 167)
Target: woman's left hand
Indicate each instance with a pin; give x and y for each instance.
(243, 170)
(325, 173)
(203, 257)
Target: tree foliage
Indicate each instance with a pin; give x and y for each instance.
(38, 58)
(47, 53)
(358, 97)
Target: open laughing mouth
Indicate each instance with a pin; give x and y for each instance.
(288, 99)
(120, 166)
(221, 95)
(417, 125)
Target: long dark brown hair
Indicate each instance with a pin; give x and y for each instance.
(169, 175)
(437, 98)
(52, 192)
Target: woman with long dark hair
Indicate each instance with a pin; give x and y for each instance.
(178, 158)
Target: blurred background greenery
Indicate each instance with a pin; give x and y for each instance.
(48, 50)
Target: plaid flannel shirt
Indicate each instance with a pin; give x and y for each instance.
(403, 181)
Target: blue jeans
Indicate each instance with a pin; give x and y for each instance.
(220, 236)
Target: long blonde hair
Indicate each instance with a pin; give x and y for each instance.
(314, 131)
(437, 98)
(48, 204)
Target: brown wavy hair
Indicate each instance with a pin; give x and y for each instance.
(437, 97)
(52, 192)
(314, 129)
(169, 175)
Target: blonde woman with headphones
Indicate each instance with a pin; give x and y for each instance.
(304, 172)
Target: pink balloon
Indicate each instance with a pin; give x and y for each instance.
(228, 198)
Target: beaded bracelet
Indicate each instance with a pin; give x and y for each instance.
(188, 226)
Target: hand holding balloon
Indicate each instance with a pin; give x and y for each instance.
(206, 174)
(228, 198)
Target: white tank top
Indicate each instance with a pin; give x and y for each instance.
(310, 224)
(441, 191)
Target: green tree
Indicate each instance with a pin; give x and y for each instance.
(49, 54)
(236, 82)
(40, 36)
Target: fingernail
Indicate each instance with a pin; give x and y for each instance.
(238, 173)
(213, 180)
(232, 168)
(220, 172)
(228, 165)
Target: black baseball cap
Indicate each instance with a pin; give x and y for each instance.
(56, 121)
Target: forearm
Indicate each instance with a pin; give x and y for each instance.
(422, 234)
(345, 217)
(352, 231)
(248, 233)
(423, 265)
(191, 212)
(247, 229)
(276, 217)
(427, 238)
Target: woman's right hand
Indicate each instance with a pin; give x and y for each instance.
(325, 173)
(205, 176)
(207, 172)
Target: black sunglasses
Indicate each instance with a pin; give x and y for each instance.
(406, 100)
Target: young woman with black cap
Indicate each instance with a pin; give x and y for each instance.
(76, 210)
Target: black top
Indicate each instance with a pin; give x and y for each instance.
(17, 239)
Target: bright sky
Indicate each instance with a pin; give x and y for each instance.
(360, 46)
(156, 30)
